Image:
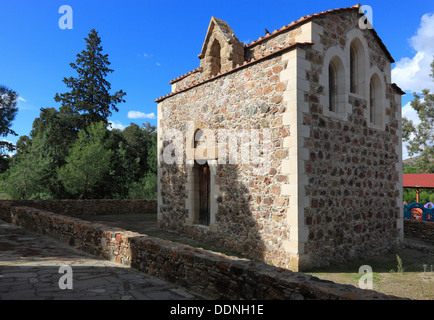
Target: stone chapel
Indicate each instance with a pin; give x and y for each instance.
(320, 90)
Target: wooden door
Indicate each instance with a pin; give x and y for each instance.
(204, 203)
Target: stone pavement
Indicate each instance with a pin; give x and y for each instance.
(30, 265)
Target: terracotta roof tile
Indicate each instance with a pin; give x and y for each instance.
(298, 22)
(308, 18)
(246, 63)
(420, 180)
(398, 89)
(184, 76)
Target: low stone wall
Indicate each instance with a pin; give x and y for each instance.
(81, 207)
(211, 274)
(421, 230)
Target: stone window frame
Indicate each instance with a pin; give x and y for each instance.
(364, 79)
(359, 61)
(337, 57)
(192, 200)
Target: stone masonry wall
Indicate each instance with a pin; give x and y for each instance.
(81, 207)
(421, 230)
(213, 275)
(353, 168)
(250, 212)
(334, 188)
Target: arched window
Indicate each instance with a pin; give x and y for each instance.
(375, 107)
(357, 67)
(336, 84)
(198, 136)
(215, 58)
(353, 69)
(333, 88)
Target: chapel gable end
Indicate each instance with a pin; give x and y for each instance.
(221, 51)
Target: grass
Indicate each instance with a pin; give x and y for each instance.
(407, 273)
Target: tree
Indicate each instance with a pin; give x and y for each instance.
(89, 100)
(146, 187)
(132, 148)
(88, 161)
(8, 111)
(28, 175)
(52, 136)
(421, 137)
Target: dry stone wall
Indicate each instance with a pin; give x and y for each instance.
(213, 275)
(421, 230)
(81, 207)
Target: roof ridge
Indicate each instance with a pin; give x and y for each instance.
(246, 63)
(294, 24)
(303, 19)
(184, 76)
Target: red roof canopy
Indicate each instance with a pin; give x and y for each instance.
(418, 180)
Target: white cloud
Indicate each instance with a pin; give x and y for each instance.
(113, 125)
(22, 99)
(4, 140)
(158, 64)
(9, 154)
(141, 115)
(413, 74)
(411, 114)
(147, 55)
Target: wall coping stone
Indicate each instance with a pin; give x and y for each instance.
(208, 273)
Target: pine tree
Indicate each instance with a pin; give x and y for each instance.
(89, 99)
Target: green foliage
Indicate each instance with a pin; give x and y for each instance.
(8, 111)
(421, 137)
(409, 195)
(24, 179)
(425, 195)
(89, 99)
(69, 152)
(135, 155)
(88, 161)
(410, 169)
(146, 188)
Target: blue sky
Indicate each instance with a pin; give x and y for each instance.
(150, 43)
